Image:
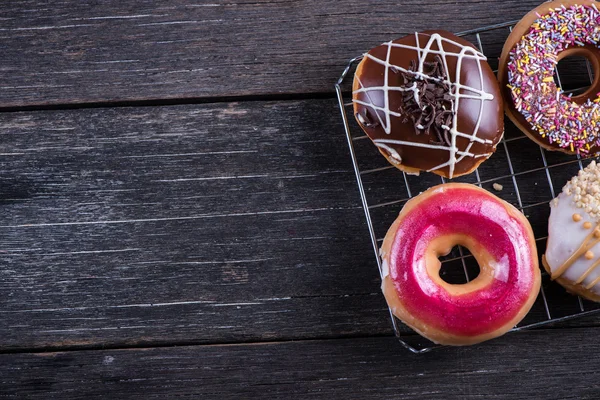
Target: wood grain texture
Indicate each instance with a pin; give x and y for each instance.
(212, 223)
(107, 51)
(369, 368)
(205, 224)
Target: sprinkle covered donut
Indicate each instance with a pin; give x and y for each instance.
(499, 237)
(430, 102)
(573, 251)
(534, 101)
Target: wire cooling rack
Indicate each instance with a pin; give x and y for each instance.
(520, 172)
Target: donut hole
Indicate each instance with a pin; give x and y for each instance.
(576, 74)
(453, 271)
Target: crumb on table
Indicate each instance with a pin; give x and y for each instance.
(498, 187)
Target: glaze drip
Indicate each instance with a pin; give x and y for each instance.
(365, 119)
(584, 250)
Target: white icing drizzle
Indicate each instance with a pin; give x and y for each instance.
(394, 156)
(380, 143)
(456, 87)
(566, 237)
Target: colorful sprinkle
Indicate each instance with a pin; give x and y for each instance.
(551, 113)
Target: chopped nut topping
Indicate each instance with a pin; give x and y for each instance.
(585, 189)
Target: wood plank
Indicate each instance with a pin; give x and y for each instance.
(211, 223)
(542, 364)
(89, 52)
(201, 224)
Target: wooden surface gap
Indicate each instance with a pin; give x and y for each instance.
(160, 102)
(190, 343)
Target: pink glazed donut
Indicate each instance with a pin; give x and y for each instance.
(499, 237)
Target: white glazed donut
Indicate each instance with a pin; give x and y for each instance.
(573, 252)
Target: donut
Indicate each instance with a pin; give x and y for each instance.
(573, 250)
(430, 102)
(533, 100)
(499, 237)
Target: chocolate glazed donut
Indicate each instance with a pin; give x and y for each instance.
(429, 101)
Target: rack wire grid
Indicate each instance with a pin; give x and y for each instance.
(527, 173)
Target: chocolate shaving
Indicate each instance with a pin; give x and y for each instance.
(429, 102)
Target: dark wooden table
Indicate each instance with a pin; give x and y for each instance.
(180, 217)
